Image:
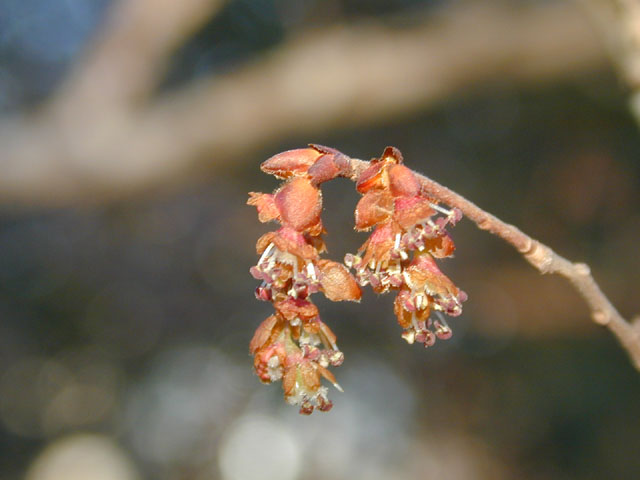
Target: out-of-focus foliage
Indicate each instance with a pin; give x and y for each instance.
(124, 329)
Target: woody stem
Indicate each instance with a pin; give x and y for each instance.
(542, 257)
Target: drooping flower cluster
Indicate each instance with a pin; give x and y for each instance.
(409, 233)
(294, 345)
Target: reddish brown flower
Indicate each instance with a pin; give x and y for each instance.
(269, 348)
(423, 277)
(376, 263)
(409, 231)
(426, 289)
(286, 266)
(302, 385)
(294, 344)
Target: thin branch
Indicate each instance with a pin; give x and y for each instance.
(129, 55)
(543, 258)
(101, 139)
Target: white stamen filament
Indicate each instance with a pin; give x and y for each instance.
(266, 252)
(444, 211)
(443, 320)
(311, 270)
(407, 279)
(414, 322)
(419, 301)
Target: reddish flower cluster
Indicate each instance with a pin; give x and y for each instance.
(409, 232)
(399, 254)
(294, 345)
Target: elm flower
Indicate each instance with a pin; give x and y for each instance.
(426, 289)
(409, 231)
(294, 345)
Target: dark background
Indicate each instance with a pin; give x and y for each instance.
(124, 326)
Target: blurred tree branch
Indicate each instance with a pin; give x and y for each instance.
(130, 54)
(101, 138)
(619, 24)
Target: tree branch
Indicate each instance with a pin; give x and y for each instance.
(129, 54)
(100, 140)
(543, 258)
(619, 24)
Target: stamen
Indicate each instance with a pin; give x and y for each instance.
(442, 328)
(407, 279)
(311, 270)
(414, 322)
(266, 252)
(409, 336)
(444, 211)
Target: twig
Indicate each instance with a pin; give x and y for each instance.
(544, 259)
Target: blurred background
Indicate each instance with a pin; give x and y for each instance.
(130, 134)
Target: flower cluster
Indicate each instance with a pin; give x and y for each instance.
(294, 345)
(409, 233)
